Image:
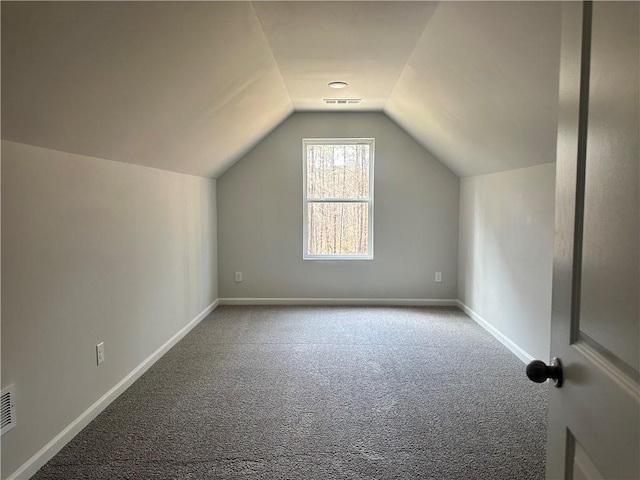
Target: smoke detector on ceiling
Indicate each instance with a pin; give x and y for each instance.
(341, 101)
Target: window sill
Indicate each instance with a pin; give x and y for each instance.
(337, 257)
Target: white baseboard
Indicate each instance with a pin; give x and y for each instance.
(46, 453)
(506, 341)
(342, 301)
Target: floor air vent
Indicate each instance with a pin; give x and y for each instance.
(7, 402)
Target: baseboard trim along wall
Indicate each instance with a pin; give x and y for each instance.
(506, 341)
(31, 466)
(419, 302)
(46, 453)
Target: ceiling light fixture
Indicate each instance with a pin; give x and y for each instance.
(338, 84)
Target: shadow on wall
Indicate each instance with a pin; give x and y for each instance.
(506, 253)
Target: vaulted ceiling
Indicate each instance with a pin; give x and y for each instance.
(192, 86)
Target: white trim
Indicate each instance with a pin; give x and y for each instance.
(420, 302)
(629, 384)
(46, 453)
(506, 341)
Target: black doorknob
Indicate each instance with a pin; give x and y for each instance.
(538, 371)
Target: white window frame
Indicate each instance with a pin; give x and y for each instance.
(305, 201)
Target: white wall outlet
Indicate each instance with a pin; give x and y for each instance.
(438, 277)
(100, 353)
(238, 276)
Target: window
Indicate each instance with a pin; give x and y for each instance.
(338, 198)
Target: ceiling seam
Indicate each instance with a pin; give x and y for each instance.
(273, 57)
(413, 52)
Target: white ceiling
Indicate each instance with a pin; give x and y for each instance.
(481, 88)
(191, 86)
(366, 44)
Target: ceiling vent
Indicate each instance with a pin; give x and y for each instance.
(7, 401)
(341, 101)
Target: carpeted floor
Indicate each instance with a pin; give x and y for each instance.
(321, 393)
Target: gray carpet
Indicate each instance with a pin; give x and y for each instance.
(321, 393)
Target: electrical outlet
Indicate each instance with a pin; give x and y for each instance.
(238, 276)
(438, 277)
(100, 353)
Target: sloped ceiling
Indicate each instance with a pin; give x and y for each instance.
(480, 91)
(183, 86)
(191, 86)
(366, 44)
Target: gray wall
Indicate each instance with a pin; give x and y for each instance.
(506, 253)
(415, 211)
(92, 250)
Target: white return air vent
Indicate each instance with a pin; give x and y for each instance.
(341, 101)
(7, 401)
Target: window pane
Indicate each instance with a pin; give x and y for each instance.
(337, 171)
(338, 228)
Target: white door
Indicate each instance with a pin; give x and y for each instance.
(594, 417)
